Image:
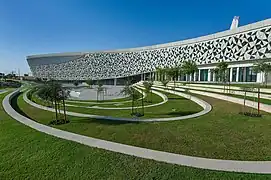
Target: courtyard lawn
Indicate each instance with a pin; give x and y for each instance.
(26, 153)
(112, 100)
(29, 154)
(223, 133)
(176, 106)
(154, 99)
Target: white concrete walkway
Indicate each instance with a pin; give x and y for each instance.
(253, 104)
(3, 91)
(263, 167)
(264, 90)
(232, 91)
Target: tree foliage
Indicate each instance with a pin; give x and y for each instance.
(90, 82)
(76, 83)
(264, 68)
(148, 89)
(54, 92)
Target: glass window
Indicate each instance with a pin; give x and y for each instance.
(241, 74)
(251, 76)
(234, 74)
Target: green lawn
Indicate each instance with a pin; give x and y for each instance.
(176, 106)
(222, 133)
(29, 154)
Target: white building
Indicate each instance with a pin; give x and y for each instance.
(240, 47)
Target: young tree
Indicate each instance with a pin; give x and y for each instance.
(148, 89)
(222, 68)
(264, 69)
(173, 73)
(161, 74)
(189, 67)
(90, 82)
(54, 92)
(165, 82)
(100, 89)
(76, 83)
(215, 71)
(128, 90)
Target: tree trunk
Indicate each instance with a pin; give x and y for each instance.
(266, 76)
(151, 96)
(142, 103)
(56, 110)
(245, 102)
(133, 98)
(59, 109)
(97, 96)
(64, 108)
(259, 100)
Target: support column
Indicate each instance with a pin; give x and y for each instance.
(263, 77)
(142, 77)
(199, 74)
(214, 77)
(195, 76)
(209, 75)
(237, 74)
(245, 74)
(115, 81)
(231, 69)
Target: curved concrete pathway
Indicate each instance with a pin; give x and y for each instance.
(206, 108)
(3, 91)
(263, 167)
(164, 100)
(253, 104)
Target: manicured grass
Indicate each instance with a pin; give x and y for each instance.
(176, 106)
(29, 154)
(223, 133)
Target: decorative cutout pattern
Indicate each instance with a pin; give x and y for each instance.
(255, 44)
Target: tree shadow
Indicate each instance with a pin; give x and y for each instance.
(15, 106)
(103, 121)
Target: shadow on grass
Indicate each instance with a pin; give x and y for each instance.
(181, 113)
(176, 98)
(103, 121)
(15, 106)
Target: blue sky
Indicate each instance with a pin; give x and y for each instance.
(37, 26)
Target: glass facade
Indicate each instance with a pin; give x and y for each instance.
(246, 74)
(204, 75)
(251, 76)
(234, 74)
(212, 76)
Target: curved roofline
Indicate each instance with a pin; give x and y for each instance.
(249, 27)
